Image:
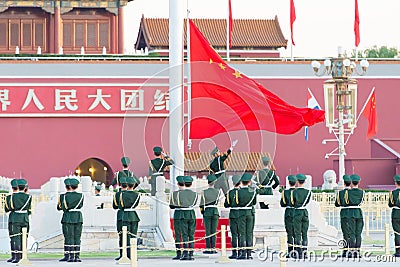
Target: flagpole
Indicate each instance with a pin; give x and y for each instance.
(365, 104)
(188, 76)
(227, 35)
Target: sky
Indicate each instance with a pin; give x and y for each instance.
(320, 27)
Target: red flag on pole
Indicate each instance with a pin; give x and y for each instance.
(224, 99)
(230, 24)
(370, 113)
(292, 18)
(357, 24)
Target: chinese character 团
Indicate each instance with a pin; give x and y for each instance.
(66, 97)
(132, 100)
(161, 100)
(99, 100)
(32, 97)
(4, 99)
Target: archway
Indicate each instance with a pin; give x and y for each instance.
(98, 169)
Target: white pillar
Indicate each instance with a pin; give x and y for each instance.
(342, 152)
(176, 143)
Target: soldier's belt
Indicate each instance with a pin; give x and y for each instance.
(241, 208)
(397, 208)
(351, 207)
(158, 173)
(74, 210)
(129, 210)
(21, 211)
(192, 208)
(266, 186)
(289, 207)
(211, 206)
(221, 171)
(300, 208)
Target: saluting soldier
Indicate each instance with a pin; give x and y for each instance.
(125, 172)
(116, 205)
(60, 207)
(300, 198)
(177, 215)
(266, 180)
(7, 207)
(157, 166)
(129, 200)
(353, 199)
(247, 199)
(73, 219)
(344, 212)
(209, 208)
(232, 202)
(20, 204)
(394, 203)
(289, 213)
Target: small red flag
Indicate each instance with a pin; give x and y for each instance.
(357, 24)
(224, 99)
(292, 18)
(230, 24)
(370, 113)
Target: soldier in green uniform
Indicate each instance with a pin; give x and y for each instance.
(7, 207)
(289, 213)
(247, 198)
(344, 212)
(60, 207)
(208, 207)
(266, 180)
(125, 172)
(20, 204)
(353, 200)
(129, 200)
(231, 202)
(73, 203)
(157, 166)
(97, 190)
(177, 216)
(300, 198)
(394, 203)
(116, 205)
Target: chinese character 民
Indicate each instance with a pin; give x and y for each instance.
(4, 99)
(161, 100)
(66, 97)
(32, 97)
(99, 100)
(132, 100)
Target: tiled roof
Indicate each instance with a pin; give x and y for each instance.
(246, 33)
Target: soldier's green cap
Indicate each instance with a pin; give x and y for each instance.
(180, 179)
(14, 183)
(130, 180)
(125, 161)
(236, 179)
(122, 180)
(346, 178)
(73, 181)
(355, 177)
(301, 177)
(97, 187)
(292, 178)
(67, 181)
(211, 178)
(215, 150)
(396, 177)
(188, 179)
(22, 182)
(157, 149)
(246, 177)
(265, 160)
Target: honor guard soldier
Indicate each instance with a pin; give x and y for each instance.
(116, 205)
(177, 216)
(209, 208)
(125, 172)
(266, 180)
(353, 200)
(129, 200)
(299, 199)
(289, 213)
(97, 190)
(73, 219)
(344, 212)
(394, 203)
(60, 207)
(7, 207)
(231, 202)
(217, 167)
(20, 204)
(247, 199)
(157, 166)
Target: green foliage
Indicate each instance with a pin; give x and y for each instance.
(378, 52)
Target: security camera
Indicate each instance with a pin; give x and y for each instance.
(326, 156)
(324, 142)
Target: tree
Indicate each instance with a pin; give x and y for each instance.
(375, 52)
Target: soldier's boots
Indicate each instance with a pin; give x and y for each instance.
(12, 253)
(191, 258)
(77, 254)
(304, 250)
(289, 251)
(241, 255)
(397, 254)
(185, 256)
(120, 255)
(66, 254)
(18, 257)
(178, 253)
(234, 254)
(249, 257)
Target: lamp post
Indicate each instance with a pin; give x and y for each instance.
(340, 97)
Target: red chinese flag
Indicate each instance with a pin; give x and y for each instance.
(370, 113)
(292, 18)
(230, 24)
(224, 100)
(357, 25)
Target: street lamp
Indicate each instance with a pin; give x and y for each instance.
(340, 95)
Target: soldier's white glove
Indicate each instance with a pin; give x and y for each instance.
(165, 155)
(233, 144)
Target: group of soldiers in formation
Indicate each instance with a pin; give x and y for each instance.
(240, 199)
